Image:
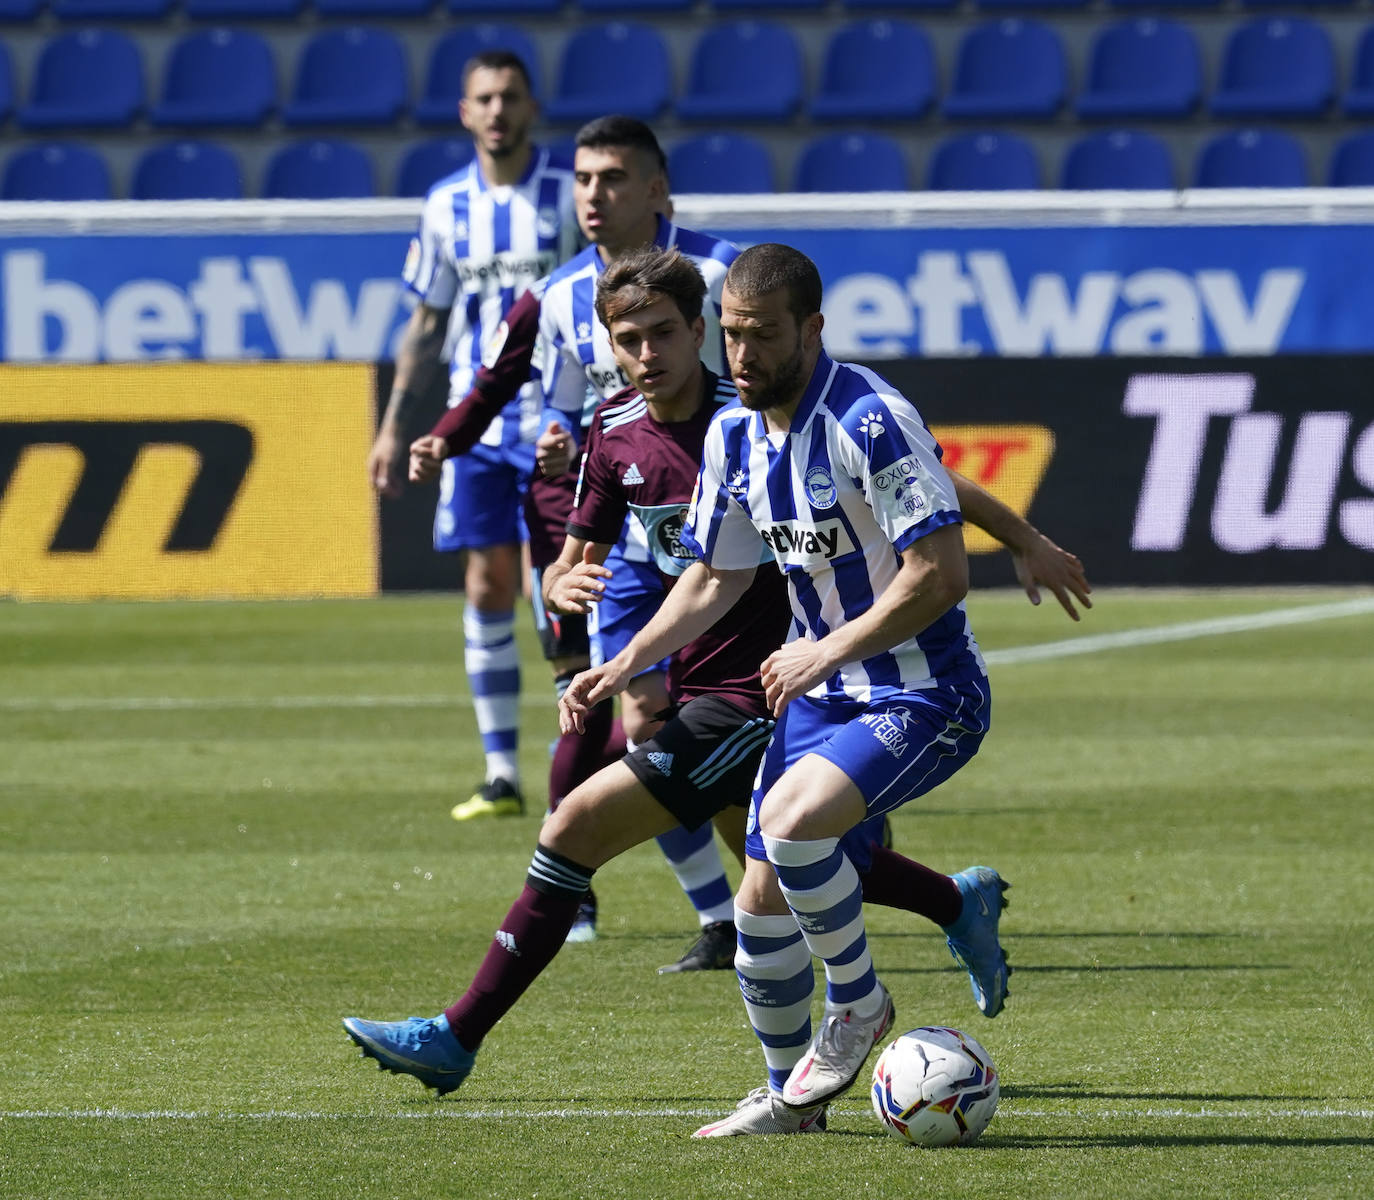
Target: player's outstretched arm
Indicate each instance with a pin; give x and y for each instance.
(417, 365)
(701, 596)
(1038, 562)
(932, 578)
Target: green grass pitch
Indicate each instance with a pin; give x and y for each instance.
(224, 826)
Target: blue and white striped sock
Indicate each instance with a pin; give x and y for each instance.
(824, 893)
(776, 979)
(695, 860)
(493, 666)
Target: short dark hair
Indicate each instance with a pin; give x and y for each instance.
(644, 276)
(618, 130)
(771, 265)
(497, 60)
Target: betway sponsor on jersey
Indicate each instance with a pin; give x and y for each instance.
(971, 303)
(801, 543)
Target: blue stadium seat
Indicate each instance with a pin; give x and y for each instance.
(1117, 159)
(423, 165)
(352, 76)
(19, 10)
(875, 70)
(1352, 164)
(1359, 99)
(851, 162)
(1038, 4)
(217, 77)
(983, 162)
(466, 8)
(1142, 67)
(322, 169)
(373, 8)
(110, 10)
(92, 77)
(889, 6)
(1251, 158)
(6, 83)
(586, 89)
(1010, 69)
(187, 171)
(243, 10)
(444, 76)
(56, 171)
(754, 5)
(634, 6)
(1164, 3)
(745, 71)
(732, 163)
(1276, 67)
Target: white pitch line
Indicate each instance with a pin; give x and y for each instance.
(536, 697)
(1007, 1112)
(1181, 632)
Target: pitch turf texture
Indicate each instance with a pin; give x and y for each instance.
(224, 827)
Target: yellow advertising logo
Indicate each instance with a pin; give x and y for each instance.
(1008, 460)
(186, 480)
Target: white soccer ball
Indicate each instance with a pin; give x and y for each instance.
(935, 1087)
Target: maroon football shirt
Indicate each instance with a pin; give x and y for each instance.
(634, 464)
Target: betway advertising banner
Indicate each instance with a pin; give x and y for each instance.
(323, 284)
(1204, 471)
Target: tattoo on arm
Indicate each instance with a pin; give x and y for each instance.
(418, 362)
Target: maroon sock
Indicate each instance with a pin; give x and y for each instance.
(579, 756)
(897, 882)
(532, 933)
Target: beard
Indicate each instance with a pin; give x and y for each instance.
(781, 388)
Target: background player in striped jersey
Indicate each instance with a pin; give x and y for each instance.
(487, 233)
(703, 759)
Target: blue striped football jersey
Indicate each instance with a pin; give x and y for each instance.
(574, 358)
(855, 481)
(478, 248)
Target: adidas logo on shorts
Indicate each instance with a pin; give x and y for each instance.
(664, 762)
(632, 476)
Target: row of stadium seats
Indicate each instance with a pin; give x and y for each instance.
(735, 163)
(217, 10)
(1008, 69)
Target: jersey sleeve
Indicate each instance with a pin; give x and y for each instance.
(599, 504)
(884, 444)
(428, 272)
(560, 374)
(717, 529)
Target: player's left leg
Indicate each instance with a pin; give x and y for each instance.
(845, 764)
(632, 596)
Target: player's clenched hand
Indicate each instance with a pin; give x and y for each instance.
(1043, 564)
(384, 463)
(791, 671)
(585, 692)
(427, 456)
(579, 588)
(553, 452)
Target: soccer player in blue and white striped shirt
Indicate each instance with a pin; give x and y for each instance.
(487, 233)
(881, 693)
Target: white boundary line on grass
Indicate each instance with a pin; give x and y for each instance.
(1041, 651)
(1008, 1112)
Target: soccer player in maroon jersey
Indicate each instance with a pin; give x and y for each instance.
(702, 760)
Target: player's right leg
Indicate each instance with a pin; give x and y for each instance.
(479, 511)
